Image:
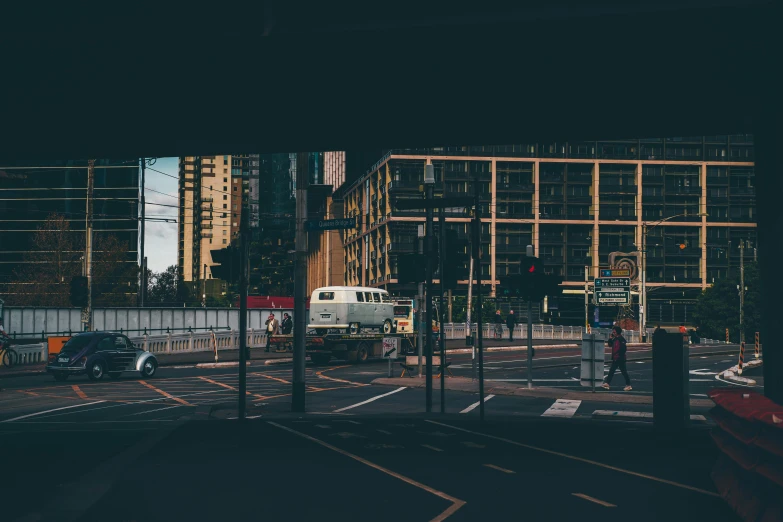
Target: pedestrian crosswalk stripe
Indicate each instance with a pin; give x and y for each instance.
(562, 408)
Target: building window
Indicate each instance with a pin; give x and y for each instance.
(235, 207)
(225, 223)
(235, 189)
(225, 206)
(224, 232)
(224, 214)
(225, 189)
(225, 241)
(225, 180)
(235, 180)
(225, 160)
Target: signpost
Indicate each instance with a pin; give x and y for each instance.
(390, 350)
(612, 282)
(621, 297)
(331, 224)
(615, 272)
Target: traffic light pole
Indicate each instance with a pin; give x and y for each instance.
(243, 283)
(87, 313)
(479, 325)
(300, 287)
(429, 187)
(442, 341)
(529, 345)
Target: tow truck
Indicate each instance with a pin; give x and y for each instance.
(356, 348)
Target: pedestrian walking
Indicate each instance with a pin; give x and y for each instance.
(498, 325)
(511, 322)
(619, 348)
(272, 324)
(287, 325)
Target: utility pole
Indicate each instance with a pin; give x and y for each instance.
(429, 187)
(420, 309)
(143, 289)
(87, 313)
(587, 293)
(477, 254)
(530, 251)
(442, 341)
(244, 245)
(742, 291)
(643, 303)
(300, 287)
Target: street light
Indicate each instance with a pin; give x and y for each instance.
(643, 306)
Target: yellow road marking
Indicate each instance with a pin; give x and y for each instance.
(168, 395)
(320, 375)
(504, 470)
(273, 378)
(591, 499)
(433, 448)
(580, 459)
(79, 392)
(229, 387)
(456, 503)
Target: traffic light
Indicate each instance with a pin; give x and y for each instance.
(531, 284)
(456, 256)
(411, 268)
(80, 294)
(228, 267)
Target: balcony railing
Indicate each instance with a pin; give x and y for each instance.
(516, 187)
(579, 177)
(618, 189)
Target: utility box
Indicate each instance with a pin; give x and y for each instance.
(593, 358)
(671, 392)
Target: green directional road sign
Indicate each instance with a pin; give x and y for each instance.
(332, 224)
(612, 282)
(612, 297)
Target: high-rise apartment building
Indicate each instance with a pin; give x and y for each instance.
(577, 203)
(211, 192)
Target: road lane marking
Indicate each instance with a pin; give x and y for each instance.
(384, 432)
(504, 470)
(580, 459)
(217, 383)
(471, 444)
(455, 502)
(50, 411)
(638, 414)
(159, 409)
(433, 448)
(370, 400)
(591, 499)
(272, 378)
(320, 375)
(562, 408)
(165, 394)
(79, 392)
(473, 406)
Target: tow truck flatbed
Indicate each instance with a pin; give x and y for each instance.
(352, 347)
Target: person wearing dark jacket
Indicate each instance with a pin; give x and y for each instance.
(498, 325)
(511, 321)
(619, 347)
(287, 325)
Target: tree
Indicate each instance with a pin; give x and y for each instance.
(718, 306)
(162, 287)
(57, 255)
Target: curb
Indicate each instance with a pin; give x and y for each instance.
(732, 374)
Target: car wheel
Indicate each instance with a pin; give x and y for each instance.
(96, 371)
(115, 375)
(362, 353)
(60, 377)
(149, 368)
(353, 328)
(387, 327)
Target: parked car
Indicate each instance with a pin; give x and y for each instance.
(351, 308)
(99, 353)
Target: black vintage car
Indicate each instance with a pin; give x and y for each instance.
(98, 354)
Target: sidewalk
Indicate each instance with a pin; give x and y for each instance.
(468, 385)
(167, 359)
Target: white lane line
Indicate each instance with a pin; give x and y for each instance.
(637, 414)
(384, 432)
(591, 499)
(562, 408)
(504, 470)
(253, 417)
(50, 411)
(369, 400)
(433, 448)
(579, 459)
(473, 406)
(471, 444)
(159, 409)
(456, 503)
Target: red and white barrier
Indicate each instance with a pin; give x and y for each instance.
(749, 472)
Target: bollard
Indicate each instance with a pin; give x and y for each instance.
(757, 354)
(741, 358)
(727, 336)
(145, 330)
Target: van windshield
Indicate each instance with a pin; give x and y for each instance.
(402, 311)
(326, 296)
(385, 298)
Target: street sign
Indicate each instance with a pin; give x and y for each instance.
(612, 297)
(331, 224)
(615, 272)
(390, 345)
(612, 282)
(450, 202)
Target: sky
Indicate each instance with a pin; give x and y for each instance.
(161, 238)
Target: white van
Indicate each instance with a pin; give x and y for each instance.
(351, 308)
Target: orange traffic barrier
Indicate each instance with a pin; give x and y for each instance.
(758, 354)
(727, 335)
(742, 357)
(56, 343)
